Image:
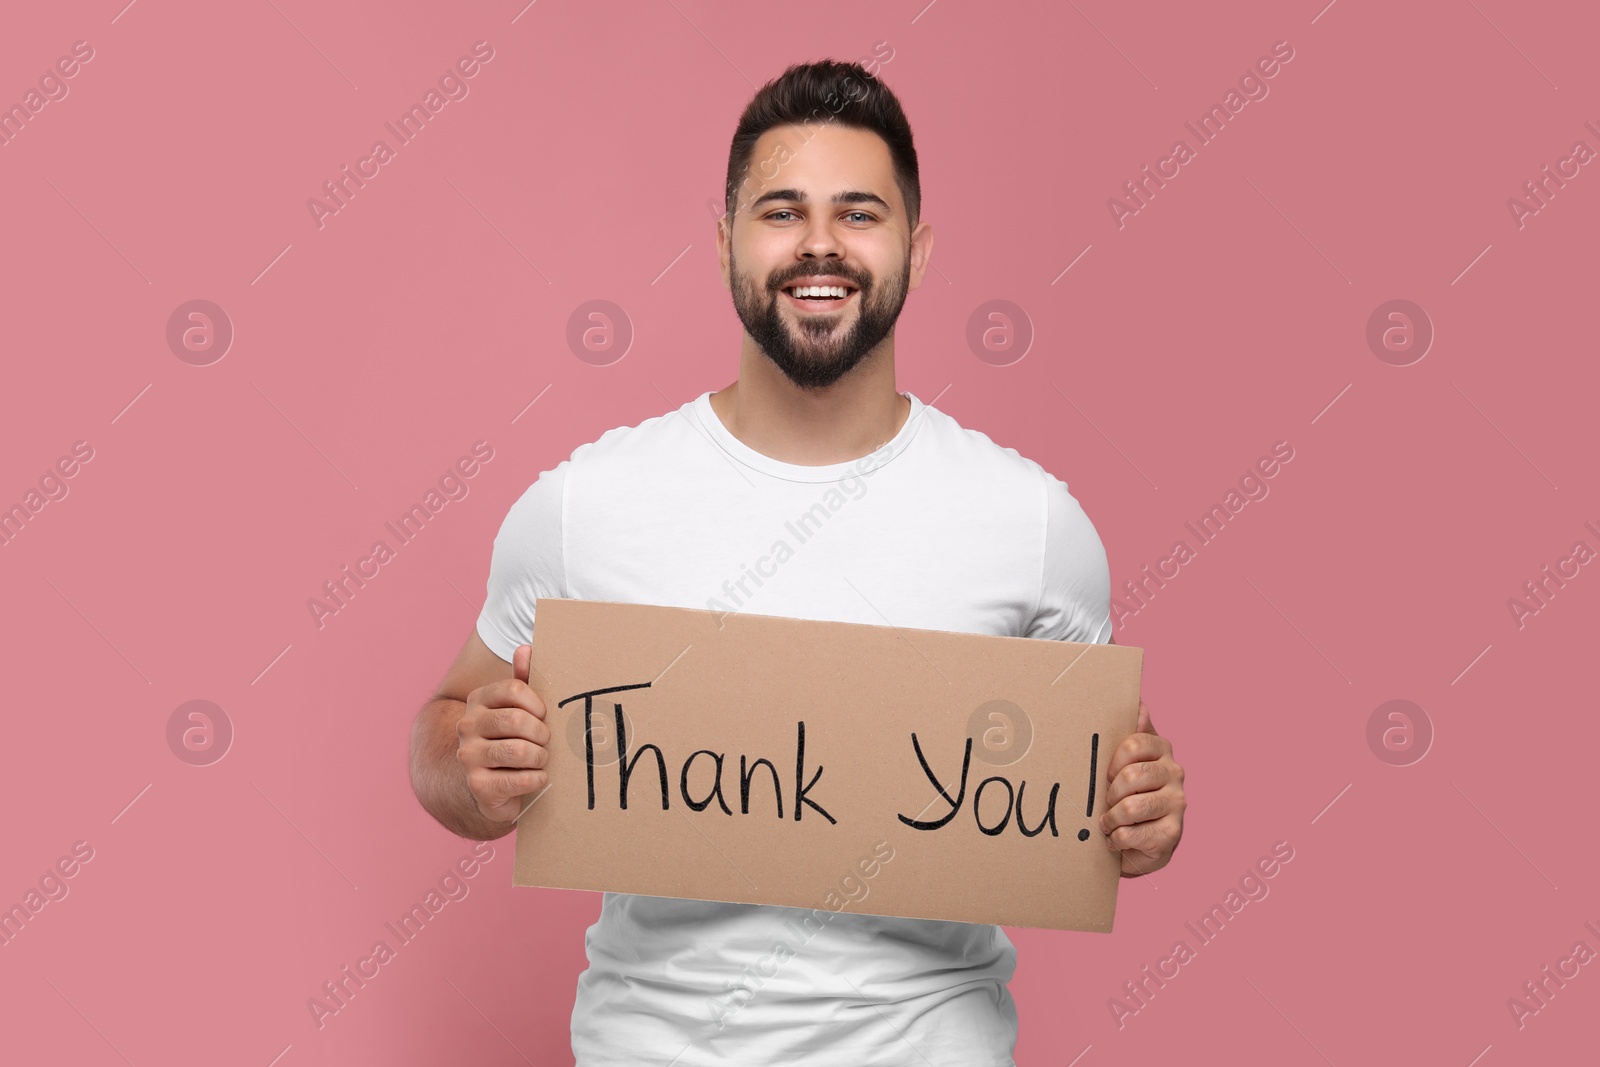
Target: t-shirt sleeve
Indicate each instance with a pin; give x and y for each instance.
(1075, 581)
(528, 563)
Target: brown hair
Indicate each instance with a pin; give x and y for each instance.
(846, 93)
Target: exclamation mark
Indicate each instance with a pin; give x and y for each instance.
(1088, 809)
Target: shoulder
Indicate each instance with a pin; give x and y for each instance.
(634, 448)
(628, 449)
(973, 456)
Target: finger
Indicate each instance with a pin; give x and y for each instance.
(1135, 862)
(521, 660)
(1136, 747)
(1148, 839)
(1154, 839)
(499, 794)
(1140, 807)
(493, 723)
(1142, 777)
(508, 753)
(509, 693)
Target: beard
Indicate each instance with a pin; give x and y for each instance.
(815, 350)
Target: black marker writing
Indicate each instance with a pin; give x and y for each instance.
(1094, 752)
(1088, 809)
(799, 776)
(955, 804)
(588, 736)
(626, 767)
(1014, 797)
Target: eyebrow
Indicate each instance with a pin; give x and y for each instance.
(851, 196)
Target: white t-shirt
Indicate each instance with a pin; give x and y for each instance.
(941, 529)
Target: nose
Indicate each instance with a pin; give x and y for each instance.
(819, 240)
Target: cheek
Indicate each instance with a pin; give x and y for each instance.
(756, 270)
(745, 282)
(890, 271)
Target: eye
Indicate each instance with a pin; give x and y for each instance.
(855, 216)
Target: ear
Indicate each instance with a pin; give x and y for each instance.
(921, 252)
(724, 236)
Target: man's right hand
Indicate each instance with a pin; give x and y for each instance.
(500, 741)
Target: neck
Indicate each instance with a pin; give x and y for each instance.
(849, 419)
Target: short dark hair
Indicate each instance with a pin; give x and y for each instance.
(846, 93)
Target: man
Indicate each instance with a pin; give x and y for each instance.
(930, 525)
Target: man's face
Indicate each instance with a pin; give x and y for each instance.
(820, 211)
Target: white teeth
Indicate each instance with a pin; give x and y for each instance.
(835, 291)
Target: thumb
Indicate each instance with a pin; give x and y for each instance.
(521, 660)
(1145, 725)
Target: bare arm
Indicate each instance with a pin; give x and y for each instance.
(477, 745)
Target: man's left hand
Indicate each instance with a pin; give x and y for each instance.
(1145, 802)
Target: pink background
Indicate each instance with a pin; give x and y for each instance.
(1228, 314)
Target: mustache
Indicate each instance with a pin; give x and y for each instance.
(860, 283)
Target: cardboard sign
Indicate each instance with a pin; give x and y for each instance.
(765, 760)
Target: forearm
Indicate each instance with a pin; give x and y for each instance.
(437, 776)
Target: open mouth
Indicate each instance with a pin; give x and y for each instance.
(815, 298)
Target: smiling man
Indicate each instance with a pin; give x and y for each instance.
(821, 244)
(816, 320)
